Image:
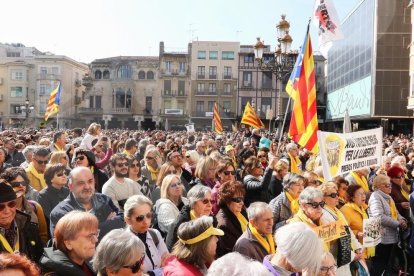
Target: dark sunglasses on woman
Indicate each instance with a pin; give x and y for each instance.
(135, 267)
(229, 172)
(140, 218)
(315, 205)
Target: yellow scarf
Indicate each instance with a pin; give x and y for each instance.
(8, 247)
(154, 173)
(192, 215)
(393, 208)
(294, 203)
(39, 176)
(302, 217)
(58, 148)
(268, 243)
(242, 220)
(361, 181)
(294, 164)
(335, 211)
(127, 153)
(405, 194)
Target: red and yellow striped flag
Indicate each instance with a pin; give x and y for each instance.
(250, 117)
(301, 88)
(218, 126)
(54, 101)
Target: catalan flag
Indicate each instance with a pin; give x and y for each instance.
(218, 126)
(54, 101)
(250, 117)
(301, 88)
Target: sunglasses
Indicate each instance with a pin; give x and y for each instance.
(172, 172)
(237, 199)
(10, 204)
(333, 195)
(80, 157)
(206, 201)
(40, 162)
(399, 177)
(17, 184)
(61, 174)
(175, 185)
(136, 165)
(229, 172)
(135, 267)
(140, 218)
(120, 165)
(187, 156)
(315, 205)
(387, 185)
(149, 158)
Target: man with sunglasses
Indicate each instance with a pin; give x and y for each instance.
(37, 168)
(17, 234)
(83, 197)
(119, 187)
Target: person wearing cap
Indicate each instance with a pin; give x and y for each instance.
(399, 194)
(195, 249)
(37, 168)
(230, 152)
(395, 150)
(17, 233)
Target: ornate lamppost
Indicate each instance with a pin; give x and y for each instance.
(27, 109)
(281, 64)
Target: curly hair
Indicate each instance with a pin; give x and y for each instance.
(18, 262)
(228, 190)
(350, 192)
(10, 174)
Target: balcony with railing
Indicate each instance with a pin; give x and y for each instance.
(44, 76)
(212, 76)
(207, 114)
(201, 76)
(227, 76)
(173, 93)
(90, 110)
(206, 92)
(121, 110)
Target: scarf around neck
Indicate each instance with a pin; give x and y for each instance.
(294, 203)
(154, 173)
(266, 242)
(39, 176)
(294, 164)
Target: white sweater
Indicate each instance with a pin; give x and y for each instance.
(167, 212)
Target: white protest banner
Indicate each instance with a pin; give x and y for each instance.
(372, 232)
(190, 128)
(342, 153)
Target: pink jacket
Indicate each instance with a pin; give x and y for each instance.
(176, 267)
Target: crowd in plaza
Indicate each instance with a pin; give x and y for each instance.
(121, 202)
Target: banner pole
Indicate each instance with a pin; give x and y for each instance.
(283, 126)
(57, 121)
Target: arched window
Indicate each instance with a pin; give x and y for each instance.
(150, 75)
(106, 75)
(98, 74)
(141, 75)
(124, 72)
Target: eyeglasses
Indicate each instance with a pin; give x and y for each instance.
(237, 199)
(140, 218)
(175, 185)
(135, 267)
(61, 174)
(315, 205)
(172, 172)
(10, 204)
(17, 184)
(387, 185)
(93, 237)
(229, 172)
(120, 165)
(206, 201)
(326, 269)
(136, 165)
(333, 195)
(261, 156)
(149, 158)
(41, 162)
(80, 157)
(187, 156)
(399, 177)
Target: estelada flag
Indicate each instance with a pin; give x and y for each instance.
(54, 102)
(301, 88)
(250, 117)
(218, 126)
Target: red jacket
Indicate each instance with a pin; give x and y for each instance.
(176, 267)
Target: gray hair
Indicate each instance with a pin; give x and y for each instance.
(235, 264)
(193, 155)
(198, 192)
(291, 146)
(135, 201)
(117, 249)
(257, 209)
(309, 194)
(41, 151)
(380, 180)
(27, 150)
(295, 241)
(291, 178)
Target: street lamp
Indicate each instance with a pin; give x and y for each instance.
(26, 108)
(282, 62)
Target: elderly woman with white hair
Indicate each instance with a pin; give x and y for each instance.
(286, 205)
(120, 252)
(199, 204)
(292, 158)
(235, 264)
(298, 250)
(150, 170)
(381, 205)
(191, 158)
(311, 205)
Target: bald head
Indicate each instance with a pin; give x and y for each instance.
(82, 184)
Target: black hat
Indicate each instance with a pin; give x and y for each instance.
(6, 192)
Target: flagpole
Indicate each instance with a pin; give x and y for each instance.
(57, 121)
(283, 126)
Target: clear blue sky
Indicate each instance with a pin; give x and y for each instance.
(89, 29)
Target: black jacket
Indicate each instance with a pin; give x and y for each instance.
(55, 262)
(15, 158)
(30, 243)
(257, 190)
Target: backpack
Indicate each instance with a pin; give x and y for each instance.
(154, 236)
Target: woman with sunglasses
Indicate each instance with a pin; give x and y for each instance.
(199, 204)
(75, 238)
(382, 205)
(399, 192)
(171, 202)
(119, 253)
(151, 169)
(225, 173)
(344, 249)
(310, 207)
(134, 173)
(232, 217)
(138, 215)
(195, 249)
(255, 182)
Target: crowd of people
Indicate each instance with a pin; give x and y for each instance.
(119, 202)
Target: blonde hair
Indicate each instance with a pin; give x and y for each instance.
(328, 186)
(56, 156)
(166, 183)
(203, 166)
(93, 128)
(380, 180)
